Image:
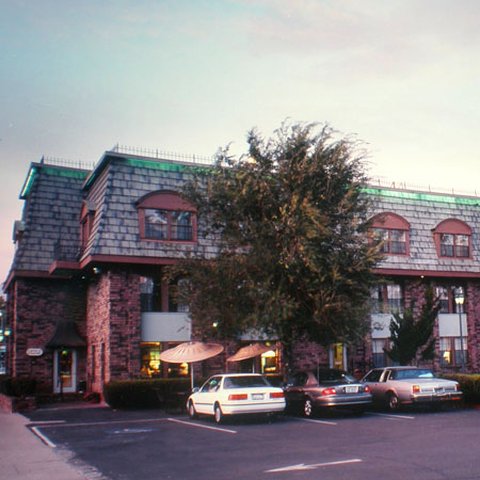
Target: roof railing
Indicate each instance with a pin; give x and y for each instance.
(383, 182)
(63, 162)
(163, 155)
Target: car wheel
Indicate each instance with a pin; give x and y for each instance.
(307, 408)
(192, 413)
(393, 402)
(217, 412)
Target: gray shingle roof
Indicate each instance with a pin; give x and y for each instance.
(54, 199)
(424, 211)
(121, 183)
(50, 215)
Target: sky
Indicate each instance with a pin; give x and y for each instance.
(192, 76)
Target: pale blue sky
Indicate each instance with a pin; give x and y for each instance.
(190, 76)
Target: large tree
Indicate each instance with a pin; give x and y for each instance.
(411, 335)
(291, 224)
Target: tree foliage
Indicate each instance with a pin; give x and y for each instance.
(291, 223)
(412, 336)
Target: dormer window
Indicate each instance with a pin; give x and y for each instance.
(452, 239)
(393, 232)
(166, 216)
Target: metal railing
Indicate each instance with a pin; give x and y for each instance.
(63, 162)
(402, 185)
(163, 155)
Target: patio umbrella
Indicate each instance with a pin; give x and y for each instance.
(250, 351)
(191, 352)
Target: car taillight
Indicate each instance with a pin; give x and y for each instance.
(329, 391)
(277, 395)
(416, 388)
(238, 396)
(366, 389)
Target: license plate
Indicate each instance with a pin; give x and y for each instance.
(257, 396)
(351, 389)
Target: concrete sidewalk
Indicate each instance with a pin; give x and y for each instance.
(24, 456)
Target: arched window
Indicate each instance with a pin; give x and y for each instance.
(166, 216)
(393, 231)
(452, 239)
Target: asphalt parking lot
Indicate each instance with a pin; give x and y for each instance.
(124, 445)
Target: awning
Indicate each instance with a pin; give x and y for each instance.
(66, 336)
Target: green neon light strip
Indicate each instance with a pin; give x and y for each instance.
(32, 174)
(422, 196)
(59, 172)
(165, 166)
(49, 170)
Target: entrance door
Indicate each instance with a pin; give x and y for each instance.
(338, 356)
(65, 370)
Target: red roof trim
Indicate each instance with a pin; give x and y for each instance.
(424, 273)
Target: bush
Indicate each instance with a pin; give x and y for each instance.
(17, 387)
(144, 393)
(469, 384)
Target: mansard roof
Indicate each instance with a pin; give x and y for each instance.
(424, 211)
(115, 189)
(49, 222)
(54, 197)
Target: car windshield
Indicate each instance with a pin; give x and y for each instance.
(334, 376)
(411, 373)
(249, 381)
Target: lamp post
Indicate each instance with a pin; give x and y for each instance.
(459, 299)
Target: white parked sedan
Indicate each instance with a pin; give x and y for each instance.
(396, 386)
(235, 394)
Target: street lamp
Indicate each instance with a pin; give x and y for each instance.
(459, 299)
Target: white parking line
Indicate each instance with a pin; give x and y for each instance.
(47, 422)
(392, 416)
(313, 466)
(106, 422)
(323, 422)
(199, 425)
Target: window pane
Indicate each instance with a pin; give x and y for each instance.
(398, 241)
(182, 226)
(150, 294)
(462, 246)
(156, 224)
(150, 360)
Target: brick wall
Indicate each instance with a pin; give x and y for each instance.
(35, 306)
(114, 328)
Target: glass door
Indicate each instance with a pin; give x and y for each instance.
(338, 356)
(65, 371)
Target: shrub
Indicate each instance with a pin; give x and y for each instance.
(17, 387)
(469, 384)
(144, 393)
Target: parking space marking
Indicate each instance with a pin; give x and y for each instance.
(313, 466)
(391, 416)
(323, 422)
(47, 422)
(199, 425)
(106, 422)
